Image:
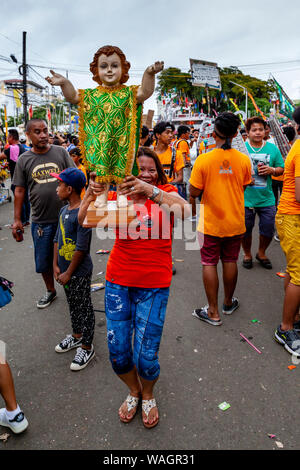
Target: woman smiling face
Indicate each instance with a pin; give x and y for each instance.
(148, 171)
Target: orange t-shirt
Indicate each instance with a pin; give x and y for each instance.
(183, 147)
(201, 148)
(222, 175)
(143, 258)
(81, 167)
(288, 203)
(166, 158)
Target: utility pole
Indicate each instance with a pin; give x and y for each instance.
(24, 72)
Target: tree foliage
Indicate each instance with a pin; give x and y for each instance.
(173, 80)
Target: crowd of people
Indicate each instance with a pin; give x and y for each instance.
(175, 174)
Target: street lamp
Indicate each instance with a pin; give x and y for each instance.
(246, 93)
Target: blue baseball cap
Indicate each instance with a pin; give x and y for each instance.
(72, 177)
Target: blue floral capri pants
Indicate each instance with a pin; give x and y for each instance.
(142, 312)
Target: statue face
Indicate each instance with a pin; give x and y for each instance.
(110, 69)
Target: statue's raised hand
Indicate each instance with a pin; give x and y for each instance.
(57, 79)
(155, 68)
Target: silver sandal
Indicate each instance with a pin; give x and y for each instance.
(131, 402)
(147, 406)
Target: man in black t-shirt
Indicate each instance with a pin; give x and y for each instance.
(33, 171)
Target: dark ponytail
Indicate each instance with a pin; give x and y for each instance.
(226, 125)
(227, 144)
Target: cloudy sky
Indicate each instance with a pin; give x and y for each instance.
(259, 36)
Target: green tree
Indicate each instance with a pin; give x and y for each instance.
(173, 80)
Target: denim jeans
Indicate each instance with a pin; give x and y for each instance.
(43, 236)
(142, 312)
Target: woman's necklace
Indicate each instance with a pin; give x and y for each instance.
(257, 150)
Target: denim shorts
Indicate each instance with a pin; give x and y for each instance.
(43, 236)
(266, 220)
(132, 310)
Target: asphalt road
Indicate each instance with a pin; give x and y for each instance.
(201, 366)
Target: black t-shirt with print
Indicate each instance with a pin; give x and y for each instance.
(33, 171)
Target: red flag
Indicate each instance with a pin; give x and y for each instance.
(48, 114)
(30, 112)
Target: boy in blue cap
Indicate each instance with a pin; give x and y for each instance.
(72, 266)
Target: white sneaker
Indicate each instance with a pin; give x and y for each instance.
(17, 425)
(68, 343)
(82, 358)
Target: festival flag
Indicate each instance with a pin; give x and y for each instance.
(48, 114)
(256, 107)
(30, 112)
(17, 98)
(285, 101)
(237, 109)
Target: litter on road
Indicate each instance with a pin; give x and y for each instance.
(279, 274)
(102, 252)
(249, 342)
(224, 406)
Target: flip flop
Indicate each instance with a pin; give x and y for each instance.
(265, 262)
(147, 406)
(131, 402)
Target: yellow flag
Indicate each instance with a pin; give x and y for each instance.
(17, 98)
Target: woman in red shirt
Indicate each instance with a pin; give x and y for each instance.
(138, 276)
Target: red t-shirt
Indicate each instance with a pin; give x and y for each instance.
(142, 256)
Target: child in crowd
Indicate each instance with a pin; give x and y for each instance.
(73, 267)
(75, 154)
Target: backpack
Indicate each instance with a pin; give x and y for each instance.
(5, 291)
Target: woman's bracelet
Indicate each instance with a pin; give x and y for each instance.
(161, 197)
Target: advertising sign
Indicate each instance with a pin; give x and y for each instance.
(205, 74)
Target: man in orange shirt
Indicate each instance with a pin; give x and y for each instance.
(288, 229)
(171, 159)
(181, 143)
(221, 178)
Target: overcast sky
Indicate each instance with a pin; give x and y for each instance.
(67, 34)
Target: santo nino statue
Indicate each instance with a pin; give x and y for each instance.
(109, 117)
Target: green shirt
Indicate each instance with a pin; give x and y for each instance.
(264, 197)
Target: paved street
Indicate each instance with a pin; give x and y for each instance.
(201, 366)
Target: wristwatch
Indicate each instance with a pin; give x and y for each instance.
(155, 193)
